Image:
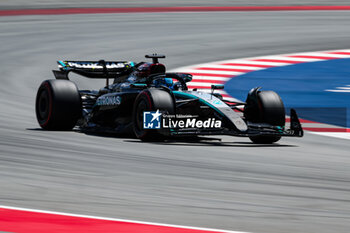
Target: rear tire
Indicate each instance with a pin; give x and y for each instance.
(269, 109)
(58, 105)
(151, 100)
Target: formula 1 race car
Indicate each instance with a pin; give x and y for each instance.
(151, 104)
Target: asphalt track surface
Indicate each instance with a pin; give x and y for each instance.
(297, 185)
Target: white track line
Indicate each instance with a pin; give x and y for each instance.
(334, 135)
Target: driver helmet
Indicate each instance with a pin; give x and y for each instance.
(168, 82)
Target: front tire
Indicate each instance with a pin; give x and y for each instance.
(151, 100)
(58, 105)
(268, 108)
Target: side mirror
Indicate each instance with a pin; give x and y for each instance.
(217, 87)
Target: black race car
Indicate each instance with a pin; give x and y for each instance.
(151, 104)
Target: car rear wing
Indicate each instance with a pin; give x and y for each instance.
(94, 69)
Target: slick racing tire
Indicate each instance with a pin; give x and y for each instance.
(269, 109)
(58, 105)
(151, 100)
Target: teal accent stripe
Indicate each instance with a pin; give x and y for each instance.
(139, 84)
